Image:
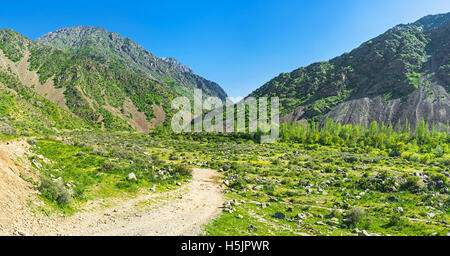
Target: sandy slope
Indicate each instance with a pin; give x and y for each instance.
(15, 216)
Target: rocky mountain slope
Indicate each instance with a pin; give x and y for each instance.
(92, 79)
(403, 74)
(112, 47)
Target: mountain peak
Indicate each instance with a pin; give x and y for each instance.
(176, 64)
(106, 46)
(75, 29)
(430, 22)
(401, 75)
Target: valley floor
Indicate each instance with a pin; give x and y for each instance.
(79, 184)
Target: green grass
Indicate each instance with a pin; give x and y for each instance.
(286, 171)
(321, 182)
(93, 168)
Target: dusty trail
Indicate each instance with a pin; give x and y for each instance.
(179, 212)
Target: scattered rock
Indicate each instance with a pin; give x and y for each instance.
(301, 216)
(252, 228)
(259, 187)
(334, 221)
(37, 164)
(393, 199)
(279, 215)
(132, 176)
(21, 233)
(363, 233)
(329, 216)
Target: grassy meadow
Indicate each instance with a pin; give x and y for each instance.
(331, 181)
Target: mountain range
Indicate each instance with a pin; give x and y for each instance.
(96, 79)
(89, 78)
(401, 76)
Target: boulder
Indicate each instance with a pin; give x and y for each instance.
(132, 176)
(279, 215)
(393, 199)
(252, 228)
(363, 233)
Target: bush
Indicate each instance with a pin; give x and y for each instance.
(397, 221)
(181, 170)
(438, 181)
(269, 189)
(406, 155)
(276, 162)
(444, 160)
(425, 158)
(414, 157)
(108, 166)
(329, 168)
(287, 181)
(55, 191)
(31, 141)
(412, 184)
(438, 151)
(354, 216)
(128, 185)
(398, 149)
(238, 183)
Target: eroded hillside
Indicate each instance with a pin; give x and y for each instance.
(401, 75)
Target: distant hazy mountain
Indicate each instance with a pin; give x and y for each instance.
(403, 74)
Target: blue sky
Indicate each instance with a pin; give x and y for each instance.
(238, 44)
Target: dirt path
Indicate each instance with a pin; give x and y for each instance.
(179, 212)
